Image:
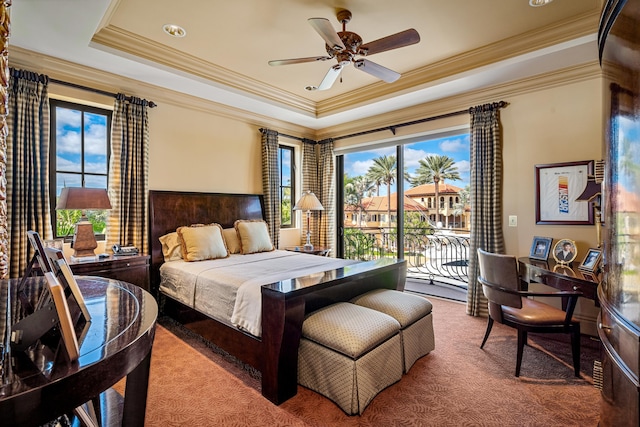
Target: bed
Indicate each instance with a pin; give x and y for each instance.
(283, 303)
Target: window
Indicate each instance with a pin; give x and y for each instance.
(287, 188)
(79, 157)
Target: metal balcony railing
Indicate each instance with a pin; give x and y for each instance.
(442, 254)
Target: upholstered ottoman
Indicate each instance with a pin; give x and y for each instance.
(414, 315)
(349, 354)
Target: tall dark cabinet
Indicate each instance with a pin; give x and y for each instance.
(619, 323)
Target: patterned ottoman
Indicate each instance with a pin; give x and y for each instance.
(414, 315)
(349, 354)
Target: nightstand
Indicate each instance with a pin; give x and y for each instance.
(127, 268)
(317, 250)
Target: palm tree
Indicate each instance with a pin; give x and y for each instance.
(354, 191)
(384, 170)
(433, 169)
(464, 198)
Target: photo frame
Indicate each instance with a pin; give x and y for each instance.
(591, 260)
(565, 251)
(557, 186)
(67, 329)
(540, 248)
(60, 266)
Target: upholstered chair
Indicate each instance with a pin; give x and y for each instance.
(514, 307)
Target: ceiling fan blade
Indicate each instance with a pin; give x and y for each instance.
(394, 41)
(330, 77)
(376, 70)
(327, 32)
(298, 60)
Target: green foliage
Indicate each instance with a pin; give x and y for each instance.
(67, 219)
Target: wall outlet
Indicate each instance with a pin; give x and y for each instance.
(513, 221)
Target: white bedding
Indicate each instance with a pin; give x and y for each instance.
(228, 289)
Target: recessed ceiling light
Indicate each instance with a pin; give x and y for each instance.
(311, 88)
(538, 3)
(174, 30)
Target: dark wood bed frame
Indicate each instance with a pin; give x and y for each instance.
(284, 304)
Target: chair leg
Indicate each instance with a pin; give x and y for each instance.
(575, 350)
(486, 334)
(522, 340)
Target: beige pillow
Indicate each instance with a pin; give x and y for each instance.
(200, 242)
(254, 236)
(231, 239)
(171, 247)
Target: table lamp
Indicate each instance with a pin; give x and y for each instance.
(307, 203)
(81, 198)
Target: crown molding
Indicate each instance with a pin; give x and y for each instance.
(463, 101)
(97, 79)
(120, 41)
(573, 28)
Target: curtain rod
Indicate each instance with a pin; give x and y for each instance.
(392, 128)
(98, 91)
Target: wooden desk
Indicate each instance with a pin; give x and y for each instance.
(570, 277)
(40, 384)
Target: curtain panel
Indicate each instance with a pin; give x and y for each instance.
(327, 196)
(128, 173)
(271, 183)
(486, 198)
(311, 182)
(27, 173)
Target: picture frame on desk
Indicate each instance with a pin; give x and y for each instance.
(540, 248)
(67, 330)
(591, 260)
(60, 266)
(565, 251)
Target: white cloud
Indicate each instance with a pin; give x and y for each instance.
(412, 156)
(361, 167)
(463, 166)
(453, 145)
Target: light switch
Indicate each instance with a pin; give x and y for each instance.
(513, 221)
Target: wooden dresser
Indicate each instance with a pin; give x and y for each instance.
(619, 293)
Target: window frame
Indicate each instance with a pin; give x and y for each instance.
(292, 186)
(53, 171)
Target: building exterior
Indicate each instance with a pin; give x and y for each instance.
(454, 211)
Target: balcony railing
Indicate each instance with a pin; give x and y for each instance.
(442, 254)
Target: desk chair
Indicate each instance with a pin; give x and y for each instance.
(511, 306)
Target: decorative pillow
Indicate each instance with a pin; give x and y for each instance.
(200, 242)
(171, 247)
(231, 239)
(254, 236)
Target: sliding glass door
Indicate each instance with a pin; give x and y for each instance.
(410, 201)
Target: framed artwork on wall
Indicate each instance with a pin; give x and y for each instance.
(540, 248)
(558, 186)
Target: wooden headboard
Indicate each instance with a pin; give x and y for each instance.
(169, 210)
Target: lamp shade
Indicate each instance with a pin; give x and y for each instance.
(308, 202)
(83, 198)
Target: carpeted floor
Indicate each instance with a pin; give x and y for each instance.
(457, 384)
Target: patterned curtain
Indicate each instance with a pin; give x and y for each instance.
(128, 173)
(486, 197)
(327, 196)
(271, 183)
(311, 182)
(28, 205)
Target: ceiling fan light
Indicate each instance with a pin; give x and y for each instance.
(538, 3)
(174, 30)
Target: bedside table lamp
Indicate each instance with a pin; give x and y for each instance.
(80, 198)
(307, 203)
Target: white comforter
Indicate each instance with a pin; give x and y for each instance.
(228, 289)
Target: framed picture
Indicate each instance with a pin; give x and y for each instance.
(61, 268)
(591, 260)
(565, 251)
(540, 248)
(557, 188)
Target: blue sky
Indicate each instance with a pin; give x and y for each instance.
(69, 147)
(456, 147)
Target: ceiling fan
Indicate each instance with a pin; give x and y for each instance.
(346, 46)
